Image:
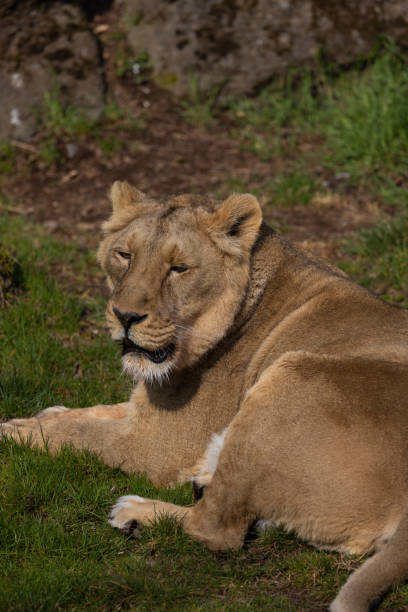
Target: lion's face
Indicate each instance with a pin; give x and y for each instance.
(178, 272)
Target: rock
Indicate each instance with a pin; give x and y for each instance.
(342, 176)
(247, 42)
(46, 46)
(71, 149)
(51, 225)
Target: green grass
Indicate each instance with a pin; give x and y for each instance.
(282, 103)
(7, 157)
(42, 343)
(270, 122)
(290, 189)
(365, 118)
(138, 67)
(379, 259)
(109, 144)
(357, 120)
(60, 119)
(199, 106)
(56, 549)
(58, 122)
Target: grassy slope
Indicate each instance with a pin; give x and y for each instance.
(56, 549)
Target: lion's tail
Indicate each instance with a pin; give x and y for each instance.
(386, 567)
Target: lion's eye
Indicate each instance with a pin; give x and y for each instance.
(179, 269)
(124, 255)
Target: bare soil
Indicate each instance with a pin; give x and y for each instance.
(165, 155)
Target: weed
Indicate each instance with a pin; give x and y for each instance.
(265, 146)
(59, 119)
(137, 67)
(391, 190)
(234, 185)
(362, 115)
(365, 119)
(380, 259)
(199, 106)
(109, 144)
(141, 67)
(137, 18)
(279, 104)
(112, 111)
(290, 189)
(48, 151)
(7, 157)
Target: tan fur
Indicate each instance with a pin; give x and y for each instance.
(237, 328)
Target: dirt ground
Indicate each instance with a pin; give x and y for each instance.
(164, 155)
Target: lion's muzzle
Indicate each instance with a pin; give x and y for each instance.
(156, 356)
(128, 318)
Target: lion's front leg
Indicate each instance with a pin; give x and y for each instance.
(97, 428)
(131, 510)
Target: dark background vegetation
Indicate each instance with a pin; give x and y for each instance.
(304, 104)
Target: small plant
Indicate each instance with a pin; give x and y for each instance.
(199, 106)
(291, 189)
(279, 104)
(112, 111)
(109, 144)
(391, 190)
(139, 68)
(360, 115)
(366, 118)
(10, 276)
(48, 151)
(380, 259)
(59, 119)
(235, 185)
(265, 146)
(7, 157)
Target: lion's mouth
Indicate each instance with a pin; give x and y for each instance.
(157, 356)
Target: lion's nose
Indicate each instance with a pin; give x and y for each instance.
(128, 318)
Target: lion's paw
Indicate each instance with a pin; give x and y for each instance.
(20, 429)
(128, 511)
(7, 427)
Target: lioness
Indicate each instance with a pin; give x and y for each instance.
(301, 374)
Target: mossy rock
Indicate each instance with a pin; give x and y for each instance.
(10, 276)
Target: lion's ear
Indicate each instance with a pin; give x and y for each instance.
(124, 195)
(127, 204)
(235, 224)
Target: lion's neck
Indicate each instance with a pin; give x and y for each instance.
(265, 262)
(282, 277)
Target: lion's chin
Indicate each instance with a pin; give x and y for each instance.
(140, 367)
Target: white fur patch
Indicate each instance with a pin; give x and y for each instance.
(142, 369)
(119, 518)
(52, 409)
(262, 525)
(126, 499)
(214, 449)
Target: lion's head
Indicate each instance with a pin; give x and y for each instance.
(178, 271)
